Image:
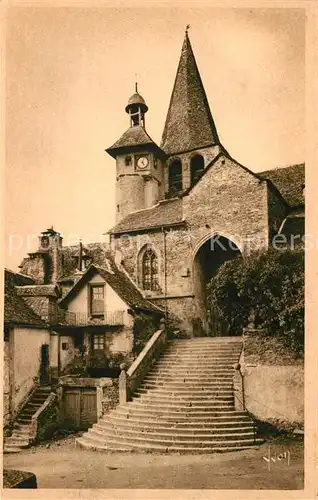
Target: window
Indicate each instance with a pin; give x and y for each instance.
(150, 270)
(99, 342)
(128, 161)
(175, 177)
(97, 300)
(197, 167)
(64, 346)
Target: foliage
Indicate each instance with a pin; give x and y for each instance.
(144, 328)
(48, 422)
(271, 286)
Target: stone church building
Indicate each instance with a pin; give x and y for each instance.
(182, 208)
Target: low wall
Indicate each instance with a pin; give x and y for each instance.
(273, 381)
(275, 393)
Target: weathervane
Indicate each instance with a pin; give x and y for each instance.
(187, 28)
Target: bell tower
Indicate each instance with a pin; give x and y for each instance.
(139, 163)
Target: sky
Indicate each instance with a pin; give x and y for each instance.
(71, 70)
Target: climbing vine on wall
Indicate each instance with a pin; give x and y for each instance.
(269, 284)
(144, 328)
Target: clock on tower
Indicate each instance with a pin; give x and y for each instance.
(139, 163)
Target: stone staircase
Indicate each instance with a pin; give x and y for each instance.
(20, 437)
(185, 405)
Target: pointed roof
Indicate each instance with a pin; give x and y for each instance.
(134, 137)
(189, 123)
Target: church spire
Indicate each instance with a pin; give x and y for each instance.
(189, 123)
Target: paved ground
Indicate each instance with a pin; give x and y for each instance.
(64, 466)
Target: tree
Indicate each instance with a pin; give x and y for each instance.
(270, 284)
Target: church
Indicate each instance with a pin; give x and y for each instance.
(182, 209)
(186, 206)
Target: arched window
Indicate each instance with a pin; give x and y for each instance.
(197, 167)
(150, 270)
(175, 177)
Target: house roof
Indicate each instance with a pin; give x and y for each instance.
(99, 252)
(134, 136)
(37, 291)
(165, 213)
(120, 283)
(16, 311)
(189, 123)
(289, 181)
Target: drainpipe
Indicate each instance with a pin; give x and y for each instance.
(165, 272)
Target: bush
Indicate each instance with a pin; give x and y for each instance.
(270, 285)
(144, 328)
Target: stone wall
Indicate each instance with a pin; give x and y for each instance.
(228, 201)
(26, 352)
(273, 382)
(110, 396)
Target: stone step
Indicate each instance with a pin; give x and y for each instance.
(11, 449)
(196, 400)
(184, 393)
(179, 405)
(18, 442)
(194, 430)
(113, 433)
(175, 413)
(182, 423)
(192, 351)
(183, 386)
(125, 440)
(24, 420)
(206, 380)
(193, 368)
(226, 369)
(141, 448)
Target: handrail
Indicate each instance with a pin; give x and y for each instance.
(35, 416)
(130, 379)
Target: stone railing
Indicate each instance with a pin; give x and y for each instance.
(130, 380)
(35, 418)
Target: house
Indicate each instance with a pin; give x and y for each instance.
(26, 343)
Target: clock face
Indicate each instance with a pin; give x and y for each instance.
(142, 162)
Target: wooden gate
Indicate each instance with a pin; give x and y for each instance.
(79, 407)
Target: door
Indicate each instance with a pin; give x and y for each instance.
(88, 407)
(80, 407)
(45, 365)
(71, 407)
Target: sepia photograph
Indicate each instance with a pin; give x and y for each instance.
(154, 243)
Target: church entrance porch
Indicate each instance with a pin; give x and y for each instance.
(209, 257)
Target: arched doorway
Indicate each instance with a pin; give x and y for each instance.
(208, 258)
